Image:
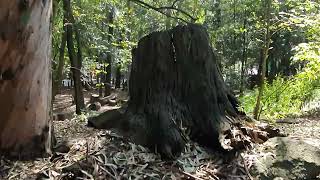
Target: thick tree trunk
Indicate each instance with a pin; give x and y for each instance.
(25, 78)
(72, 56)
(175, 82)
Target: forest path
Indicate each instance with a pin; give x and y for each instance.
(306, 127)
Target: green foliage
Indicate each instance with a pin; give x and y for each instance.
(100, 85)
(83, 117)
(285, 96)
(279, 99)
(288, 94)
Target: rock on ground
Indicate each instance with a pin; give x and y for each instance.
(288, 158)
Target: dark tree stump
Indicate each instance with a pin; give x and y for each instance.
(59, 116)
(111, 99)
(175, 84)
(96, 106)
(94, 98)
(175, 81)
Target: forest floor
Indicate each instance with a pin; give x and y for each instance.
(87, 153)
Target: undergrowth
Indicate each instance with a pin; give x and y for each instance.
(287, 96)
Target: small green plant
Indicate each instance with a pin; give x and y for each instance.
(80, 118)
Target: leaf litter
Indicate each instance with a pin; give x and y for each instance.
(103, 154)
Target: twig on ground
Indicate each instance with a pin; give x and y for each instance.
(246, 168)
(191, 176)
(87, 149)
(106, 171)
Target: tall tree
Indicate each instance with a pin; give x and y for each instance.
(244, 53)
(76, 65)
(77, 36)
(59, 73)
(118, 76)
(107, 84)
(25, 50)
(266, 46)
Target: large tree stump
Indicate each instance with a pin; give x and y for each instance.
(175, 82)
(176, 85)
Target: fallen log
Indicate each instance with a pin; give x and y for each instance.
(110, 100)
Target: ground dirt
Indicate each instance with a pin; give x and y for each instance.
(102, 154)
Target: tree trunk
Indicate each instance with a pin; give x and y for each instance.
(244, 55)
(100, 78)
(55, 5)
(267, 41)
(118, 77)
(59, 73)
(175, 82)
(75, 64)
(25, 78)
(217, 16)
(107, 83)
(79, 52)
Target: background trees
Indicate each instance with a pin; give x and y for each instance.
(253, 39)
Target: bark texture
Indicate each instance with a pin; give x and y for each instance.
(176, 85)
(25, 82)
